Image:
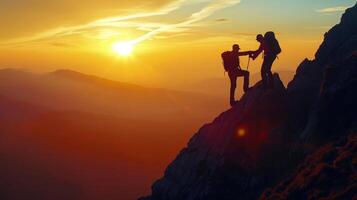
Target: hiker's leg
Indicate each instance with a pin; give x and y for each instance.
(233, 79)
(271, 79)
(264, 74)
(245, 75)
(246, 80)
(270, 60)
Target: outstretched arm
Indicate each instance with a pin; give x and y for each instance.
(257, 52)
(245, 53)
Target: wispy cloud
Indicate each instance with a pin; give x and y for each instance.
(195, 17)
(114, 21)
(332, 9)
(152, 29)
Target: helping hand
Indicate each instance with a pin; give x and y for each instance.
(252, 56)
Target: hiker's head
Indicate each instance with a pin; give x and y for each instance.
(236, 48)
(260, 38)
(269, 35)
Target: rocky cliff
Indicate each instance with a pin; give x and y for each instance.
(329, 173)
(260, 141)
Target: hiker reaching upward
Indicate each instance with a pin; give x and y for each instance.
(270, 45)
(231, 64)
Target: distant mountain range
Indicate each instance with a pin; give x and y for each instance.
(67, 135)
(70, 90)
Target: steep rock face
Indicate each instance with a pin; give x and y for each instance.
(333, 65)
(329, 173)
(302, 92)
(334, 112)
(228, 156)
(341, 40)
(258, 142)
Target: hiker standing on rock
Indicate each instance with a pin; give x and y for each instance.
(270, 45)
(232, 66)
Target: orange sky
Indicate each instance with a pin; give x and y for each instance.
(176, 41)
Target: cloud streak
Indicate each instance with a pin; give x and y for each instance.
(152, 29)
(332, 9)
(195, 17)
(106, 22)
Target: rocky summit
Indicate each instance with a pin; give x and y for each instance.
(280, 143)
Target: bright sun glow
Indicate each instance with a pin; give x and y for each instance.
(123, 48)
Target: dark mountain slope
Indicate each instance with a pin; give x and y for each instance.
(228, 156)
(261, 140)
(329, 173)
(332, 73)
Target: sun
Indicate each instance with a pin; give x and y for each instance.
(123, 48)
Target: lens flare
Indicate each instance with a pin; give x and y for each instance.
(241, 132)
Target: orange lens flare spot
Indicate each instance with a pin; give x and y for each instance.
(241, 132)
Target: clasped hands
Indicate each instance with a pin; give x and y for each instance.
(252, 54)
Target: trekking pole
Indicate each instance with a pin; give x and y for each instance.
(248, 63)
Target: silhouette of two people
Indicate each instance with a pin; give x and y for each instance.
(270, 48)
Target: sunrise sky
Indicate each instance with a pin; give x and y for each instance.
(173, 41)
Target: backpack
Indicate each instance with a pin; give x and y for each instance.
(272, 43)
(228, 61)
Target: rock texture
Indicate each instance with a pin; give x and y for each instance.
(262, 139)
(326, 78)
(227, 156)
(341, 41)
(329, 173)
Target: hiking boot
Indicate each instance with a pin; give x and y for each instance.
(247, 89)
(233, 102)
(263, 87)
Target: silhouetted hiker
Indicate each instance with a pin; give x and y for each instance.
(270, 45)
(232, 66)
